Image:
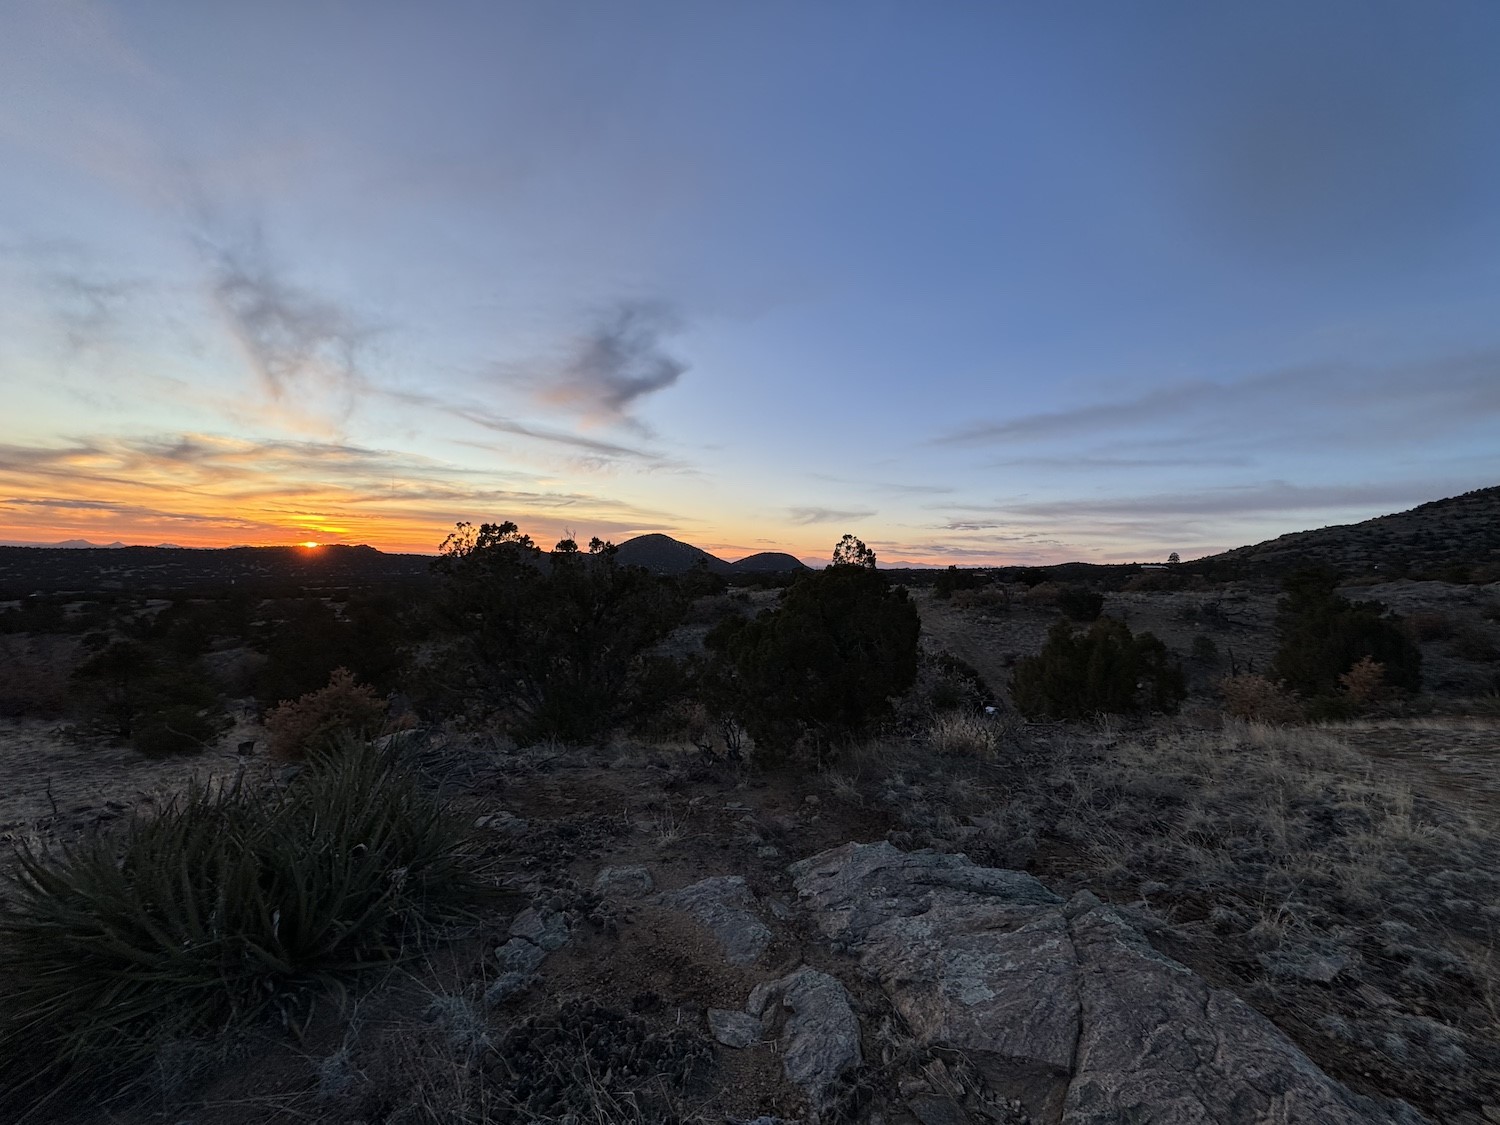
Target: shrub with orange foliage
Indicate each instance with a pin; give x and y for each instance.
(1256, 699)
(317, 718)
(1364, 684)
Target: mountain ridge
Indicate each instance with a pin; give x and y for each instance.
(1455, 532)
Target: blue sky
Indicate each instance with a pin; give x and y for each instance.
(980, 283)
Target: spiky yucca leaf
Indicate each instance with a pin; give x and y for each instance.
(225, 902)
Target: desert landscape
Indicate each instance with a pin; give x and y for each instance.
(1234, 907)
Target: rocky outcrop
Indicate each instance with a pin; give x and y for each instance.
(725, 907)
(809, 1015)
(1063, 1006)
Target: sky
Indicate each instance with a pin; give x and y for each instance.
(978, 282)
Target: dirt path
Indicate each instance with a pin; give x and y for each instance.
(1455, 761)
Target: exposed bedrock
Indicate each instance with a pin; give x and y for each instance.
(1064, 1005)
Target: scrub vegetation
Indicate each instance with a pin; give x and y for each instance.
(1290, 787)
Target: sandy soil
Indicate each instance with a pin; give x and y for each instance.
(56, 781)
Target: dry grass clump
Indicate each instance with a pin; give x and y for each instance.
(994, 598)
(343, 708)
(962, 732)
(1044, 594)
(1297, 854)
(1362, 918)
(1256, 699)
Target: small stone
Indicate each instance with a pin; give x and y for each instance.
(549, 930)
(520, 956)
(1152, 887)
(1318, 968)
(934, 1109)
(733, 1029)
(507, 986)
(819, 1037)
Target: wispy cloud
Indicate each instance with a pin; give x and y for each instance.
(597, 450)
(612, 365)
(887, 486)
(1370, 404)
(805, 516)
(293, 339)
(1273, 496)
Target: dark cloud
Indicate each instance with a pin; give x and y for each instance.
(613, 365)
(291, 337)
(806, 516)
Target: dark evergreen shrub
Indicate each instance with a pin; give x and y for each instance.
(1104, 669)
(1322, 636)
(950, 581)
(823, 665)
(1079, 603)
(557, 638)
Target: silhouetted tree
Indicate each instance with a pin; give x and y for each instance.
(824, 664)
(557, 637)
(850, 551)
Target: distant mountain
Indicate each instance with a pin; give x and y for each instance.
(66, 544)
(1461, 531)
(662, 554)
(776, 561)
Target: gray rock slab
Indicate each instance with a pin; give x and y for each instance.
(1063, 1006)
(520, 956)
(546, 929)
(1158, 1043)
(624, 882)
(809, 1014)
(1010, 989)
(855, 887)
(724, 905)
(733, 1029)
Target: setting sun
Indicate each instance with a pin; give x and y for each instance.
(311, 544)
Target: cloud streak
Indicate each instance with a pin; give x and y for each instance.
(806, 516)
(1370, 404)
(613, 365)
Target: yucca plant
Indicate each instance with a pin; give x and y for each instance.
(223, 905)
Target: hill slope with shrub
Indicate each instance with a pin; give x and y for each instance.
(1457, 538)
